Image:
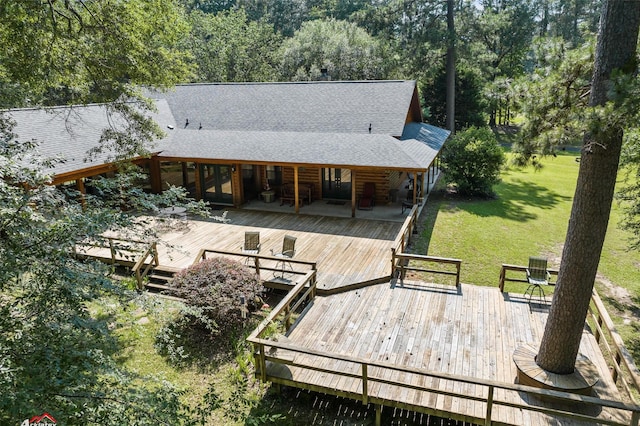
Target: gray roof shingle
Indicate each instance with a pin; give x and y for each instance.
(324, 123)
(323, 107)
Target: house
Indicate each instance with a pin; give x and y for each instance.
(230, 143)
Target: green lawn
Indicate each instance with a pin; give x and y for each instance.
(528, 217)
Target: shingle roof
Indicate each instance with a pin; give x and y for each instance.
(70, 132)
(324, 107)
(305, 123)
(338, 149)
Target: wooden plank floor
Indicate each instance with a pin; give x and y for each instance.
(347, 250)
(471, 332)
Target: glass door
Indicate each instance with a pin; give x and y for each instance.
(215, 181)
(336, 183)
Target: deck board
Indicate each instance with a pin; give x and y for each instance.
(347, 251)
(473, 332)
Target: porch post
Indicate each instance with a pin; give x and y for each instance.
(295, 188)
(353, 193)
(83, 191)
(198, 183)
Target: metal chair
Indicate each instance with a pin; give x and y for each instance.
(251, 244)
(288, 251)
(537, 276)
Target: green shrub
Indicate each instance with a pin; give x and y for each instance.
(472, 160)
(217, 285)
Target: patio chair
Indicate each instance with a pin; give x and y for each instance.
(537, 276)
(288, 251)
(367, 199)
(251, 244)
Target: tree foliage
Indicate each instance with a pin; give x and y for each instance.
(345, 49)
(55, 355)
(470, 105)
(228, 47)
(472, 160)
(552, 99)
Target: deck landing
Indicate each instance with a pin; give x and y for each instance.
(470, 332)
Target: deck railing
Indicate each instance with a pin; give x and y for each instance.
(521, 275)
(368, 372)
(623, 370)
(401, 264)
(257, 261)
(300, 296)
(408, 228)
(147, 261)
(140, 255)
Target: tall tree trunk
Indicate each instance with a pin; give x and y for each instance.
(616, 48)
(451, 70)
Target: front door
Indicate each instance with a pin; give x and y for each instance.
(215, 180)
(336, 183)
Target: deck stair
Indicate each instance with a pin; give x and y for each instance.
(159, 277)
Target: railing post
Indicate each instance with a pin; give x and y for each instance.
(635, 418)
(487, 420)
(156, 259)
(113, 251)
(458, 274)
(502, 275)
(365, 391)
(139, 279)
(393, 261)
(263, 364)
(256, 260)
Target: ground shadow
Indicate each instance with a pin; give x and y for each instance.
(292, 406)
(511, 200)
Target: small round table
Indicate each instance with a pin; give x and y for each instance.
(174, 212)
(268, 196)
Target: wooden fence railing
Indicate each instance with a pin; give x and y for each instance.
(521, 271)
(401, 264)
(264, 351)
(257, 261)
(406, 231)
(140, 255)
(302, 295)
(624, 371)
(147, 261)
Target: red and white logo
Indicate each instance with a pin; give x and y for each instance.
(44, 419)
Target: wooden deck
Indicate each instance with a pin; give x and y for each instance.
(471, 332)
(347, 251)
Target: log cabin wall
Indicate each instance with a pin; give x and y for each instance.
(308, 175)
(381, 180)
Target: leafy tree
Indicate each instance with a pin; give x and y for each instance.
(552, 100)
(415, 30)
(54, 355)
(470, 106)
(345, 49)
(472, 160)
(629, 194)
(610, 108)
(500, 37)
(227, 47)
(286, 16)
